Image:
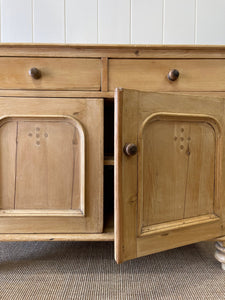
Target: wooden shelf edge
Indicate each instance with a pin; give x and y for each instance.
(109, 161)
(41, 237)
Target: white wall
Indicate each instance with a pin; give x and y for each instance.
(113, 21)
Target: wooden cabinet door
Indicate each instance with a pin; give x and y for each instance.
(51, 165)
(169, 171)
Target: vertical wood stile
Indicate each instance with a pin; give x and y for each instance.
(104, 75)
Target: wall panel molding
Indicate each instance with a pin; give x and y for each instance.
(113, 21)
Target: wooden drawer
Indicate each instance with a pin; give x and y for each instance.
(56, 73)
(151, 74)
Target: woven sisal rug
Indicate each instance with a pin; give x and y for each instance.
(87, 270)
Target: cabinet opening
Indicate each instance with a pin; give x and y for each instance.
(109, 129)
(108, 198)
(109, 165)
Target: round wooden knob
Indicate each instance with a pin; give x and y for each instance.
(35, 73)
(173, 75)
(130, 149)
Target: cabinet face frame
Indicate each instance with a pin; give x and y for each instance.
(65, 142)
(133, 110)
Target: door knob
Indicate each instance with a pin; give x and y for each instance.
(173, 75)
(130, 149)
(35, 73)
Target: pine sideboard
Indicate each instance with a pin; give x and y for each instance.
(113, 143)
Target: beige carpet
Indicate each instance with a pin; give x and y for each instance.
(59, 270)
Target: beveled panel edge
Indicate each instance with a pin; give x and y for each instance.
(201, 118)
(173, 225)
(41, 213)
(80, 212)
(164, 116)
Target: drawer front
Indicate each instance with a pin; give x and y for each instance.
(55, 73)
(151, 74)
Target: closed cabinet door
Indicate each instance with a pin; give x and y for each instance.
(169, 171)
(51, 161)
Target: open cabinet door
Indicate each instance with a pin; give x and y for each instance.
(169, 171)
